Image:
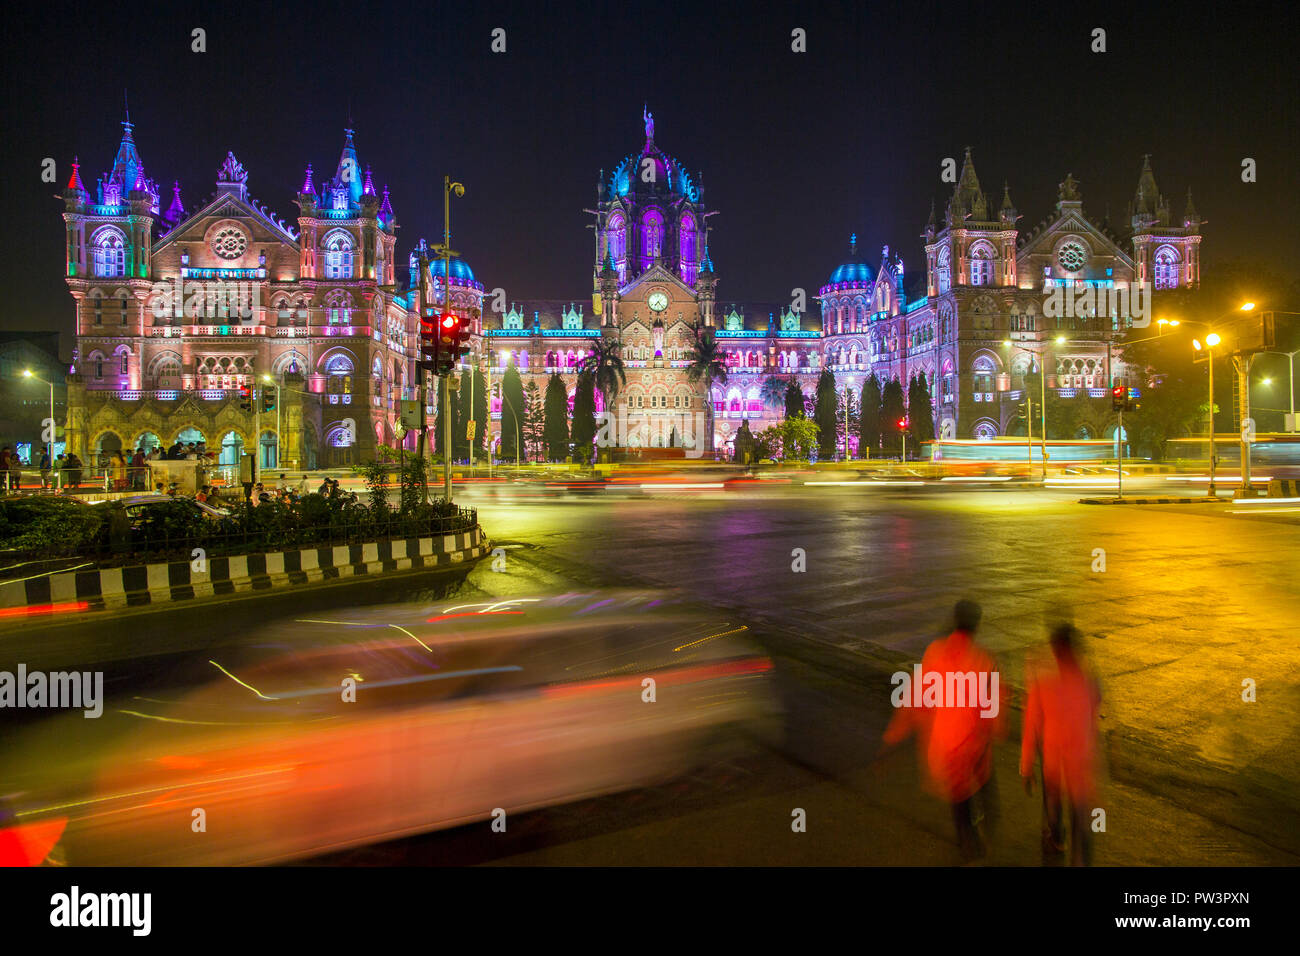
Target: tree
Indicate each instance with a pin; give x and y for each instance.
(584, 416)
(869, 418)
(773, 390)
(794, 401)
(792, 439)
(512, 409)
(460, 430)
(826, 415)
(533, 421)
(439, 429)
(892, 411)
(920, 410)
(605, 362)
(555, 429)
(479, 414)
(707, 367)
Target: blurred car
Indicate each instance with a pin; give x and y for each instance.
(138, 507)
(458, 712)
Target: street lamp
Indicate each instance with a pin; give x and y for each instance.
(1042, 405)
(49, 446)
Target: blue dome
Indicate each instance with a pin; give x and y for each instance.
(459, 269)
(853, 272)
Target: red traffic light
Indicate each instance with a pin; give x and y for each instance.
(902, 423)
(449, 321)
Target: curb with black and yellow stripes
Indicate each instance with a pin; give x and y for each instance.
(109, 588)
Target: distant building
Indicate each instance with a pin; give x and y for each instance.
(25, 401)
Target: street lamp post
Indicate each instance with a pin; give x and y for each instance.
(1041, 355)
(1211, 341)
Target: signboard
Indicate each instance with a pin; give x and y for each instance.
(1248, 430)
(469, 429)
(410, 415)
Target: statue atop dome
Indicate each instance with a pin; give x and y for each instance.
(649, 119)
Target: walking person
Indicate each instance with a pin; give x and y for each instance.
(956, 736)
(45, 468)
(4, 466)
(15, 473)
(1060, 728)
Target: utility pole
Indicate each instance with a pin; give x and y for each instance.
(422, 386)
(1213, 457)
(1119, 438)
(1243, 372)
(1029, 431)
(448, 187)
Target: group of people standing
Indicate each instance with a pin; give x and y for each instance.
(1059, 737)
(64, 471)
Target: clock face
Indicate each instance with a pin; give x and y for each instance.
(658, 301)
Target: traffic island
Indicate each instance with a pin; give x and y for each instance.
(1151, 501)
(161, 583)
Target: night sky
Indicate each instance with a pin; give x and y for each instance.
(797, 150)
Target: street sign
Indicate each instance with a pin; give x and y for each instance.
(410, 414)
(469, 429)
(1248, 430)
(453, 381)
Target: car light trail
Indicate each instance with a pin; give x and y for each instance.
(977, 478)
(674, 487)
(36, 609)
(240, 682)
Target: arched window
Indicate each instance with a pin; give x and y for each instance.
(1166, 268)
(942, 267)
(687, 246)
(616, 240)
(981, 265)
(110, 253)
(338, 255)
(652, 234)
(984, 370)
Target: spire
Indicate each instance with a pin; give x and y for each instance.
(347, 173)
(74, 181)
(967, 199)
(368, 189)
(1191, 220)
(307, 185)
(386, 208)
(1006, 198)
(853, 246)
(176, 211)
(127, 163)
(1148, 196)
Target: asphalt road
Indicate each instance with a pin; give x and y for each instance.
(843, 587)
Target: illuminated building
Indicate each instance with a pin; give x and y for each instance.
(176, 311)
(1059, 294)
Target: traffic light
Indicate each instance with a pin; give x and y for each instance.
(448, 342)
(1130, 400)
(429, 342)
(1118, 398)
(902, 424)
(245, 398)
(268, 398)
(463, 331)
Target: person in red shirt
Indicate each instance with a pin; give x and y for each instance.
(956, 733)
(1060, 726)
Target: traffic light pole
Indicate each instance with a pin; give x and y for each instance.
(1119, 438)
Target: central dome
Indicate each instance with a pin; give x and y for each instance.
(651, 168)
(853, 271)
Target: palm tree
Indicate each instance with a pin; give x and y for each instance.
(773, 391)
(706, 366)
(605, 363)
